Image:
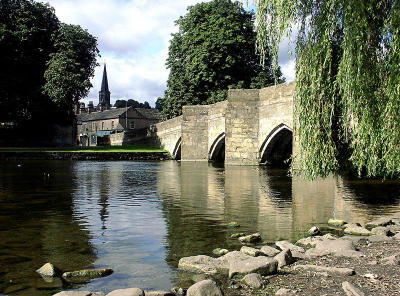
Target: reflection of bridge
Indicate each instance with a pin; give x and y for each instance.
(251, 127)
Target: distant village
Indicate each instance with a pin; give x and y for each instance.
(103, 125)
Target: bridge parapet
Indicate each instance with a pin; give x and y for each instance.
(167, 135)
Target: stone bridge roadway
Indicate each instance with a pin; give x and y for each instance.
(254, 126)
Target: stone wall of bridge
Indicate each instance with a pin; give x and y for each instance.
(253, 126)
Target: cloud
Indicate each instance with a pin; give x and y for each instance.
(133, 38)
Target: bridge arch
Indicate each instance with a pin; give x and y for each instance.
(217, 149)
(176, 153)
(277, 146)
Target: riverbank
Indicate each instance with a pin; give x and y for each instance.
(138, 153)
(351, 265)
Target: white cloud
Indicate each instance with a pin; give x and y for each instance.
(133, 38)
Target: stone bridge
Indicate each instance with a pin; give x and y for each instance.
(254, 126)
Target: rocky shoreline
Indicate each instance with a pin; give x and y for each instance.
(364, 261)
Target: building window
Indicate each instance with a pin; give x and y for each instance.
(132, 125)
(94, 126)
(112, 124)
(102, 125)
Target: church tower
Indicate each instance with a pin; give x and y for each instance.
(104, 93)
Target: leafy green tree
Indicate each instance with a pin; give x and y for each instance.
(133, 103)
(214, 50)
(46, 67)
(347, 98)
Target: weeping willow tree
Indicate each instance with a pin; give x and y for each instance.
(347, 97)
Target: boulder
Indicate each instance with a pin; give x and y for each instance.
(158, 293)
(384, 221)
(252, 238)
(200, 263)
(253, 280)
(88, 273)
(233, 224)
(49, 270)
(379, 238)
(127, 292)
(380, 230)
(328, 269)
(351, 290)
(269, 251)
(284, 258)
(314, 231)
(251, 251)
(336, 222)
(337, 247)
(220, 252)
(287, 245)
(356, 230)
(204, 288)
(261, 265)
(237, 235)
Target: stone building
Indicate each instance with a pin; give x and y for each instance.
(96, 125)
(95, 128)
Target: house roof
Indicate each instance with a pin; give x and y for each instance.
(149, 113)
(107, 114)
(152, 114)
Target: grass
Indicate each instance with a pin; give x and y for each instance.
(128, 148)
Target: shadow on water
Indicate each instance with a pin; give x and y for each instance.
(36, 226)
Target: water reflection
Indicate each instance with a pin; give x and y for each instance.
(140, 218)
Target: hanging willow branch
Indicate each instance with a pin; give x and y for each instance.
(347, 97)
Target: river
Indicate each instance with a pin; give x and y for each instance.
(140, 218)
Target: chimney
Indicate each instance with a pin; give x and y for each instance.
(90, 107)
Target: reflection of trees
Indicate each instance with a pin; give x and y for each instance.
(37, 224)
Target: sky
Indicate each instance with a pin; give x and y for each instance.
(133, 38)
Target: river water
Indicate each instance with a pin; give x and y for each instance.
(140, 218)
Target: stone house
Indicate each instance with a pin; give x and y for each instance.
(94, 128)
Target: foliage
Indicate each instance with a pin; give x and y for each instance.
(347, 99)
(133, 103)
(214, 50)
(36, 84)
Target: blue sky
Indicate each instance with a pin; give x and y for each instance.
(133, 38)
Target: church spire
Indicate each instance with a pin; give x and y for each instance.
(104, 93)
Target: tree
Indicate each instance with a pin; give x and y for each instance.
(46, 67)
(347, 98)
(214, 50)
(133, 103)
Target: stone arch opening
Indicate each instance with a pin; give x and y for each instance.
(176, 154)
(217, 150)
(276, 150)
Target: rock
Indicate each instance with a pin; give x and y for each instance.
(393, 228)
(269, 251)
(127, 292)
(233, 224)
(204, 288)
(310, 241)
(200, 263)
(237, 235)
(287, 245)
(351, 290)
(393, 260)
(285, 292)
(284, 258)
(337, 247)
(379, 238)
(49, 283)
(397, 236)
(336, 222)
(178, 291)
(253, 280)
(314, 231)
(48, 270)
(74, 293)
(384, 221)
(252, 238)
(318, 268)
(158, 293)
(357, 240)
(262, 265)
(251, 251)
(356, 230)
(380, 230)
(220, 252)
(200, 277)
(88, 273)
